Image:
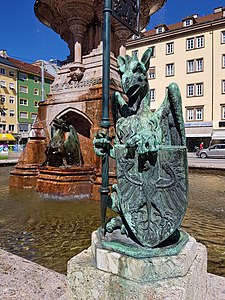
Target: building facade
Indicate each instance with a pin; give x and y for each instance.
(192, 54)
(21, 92)
(29, 94)
(8, 96)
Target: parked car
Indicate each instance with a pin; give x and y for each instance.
(216, 151)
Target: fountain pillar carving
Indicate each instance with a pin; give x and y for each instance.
(122, 34)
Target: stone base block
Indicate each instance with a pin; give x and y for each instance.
(72, 181)
(112, 276)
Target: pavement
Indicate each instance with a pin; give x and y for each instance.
(21, 279)
(195, 162)
(12, 160)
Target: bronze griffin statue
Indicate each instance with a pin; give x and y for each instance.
(150, 151)
(64, 147)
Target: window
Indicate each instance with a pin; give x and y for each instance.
(170, 70)
(190, 90)
(2, 71)
(194, 114)
(223, 61)
(23, 76)
(23, 89)
(223, 86)
(199, 114)
(2, 127)
(152, 94)
(2, 84)
(11, 86)
(11, 73)
(199, 89)
(36, 91)
(160, 29)
(135, 53)
(199, 65)
(190, 66)
(195, 89)
(190, 44)
(153, 51)
(152, 72)
(195, 65)
(12, 113)
(193, 43)
(200, 42)
(11, 127)
(188, 22)
(11, 99)
(223, 37)
(33, 116)
(3, 98)
(36, 103)
(23, 115)
(36, 79)
(190, 114)
(23, 127)
(23, 102)
(170, 48)
(223, 112)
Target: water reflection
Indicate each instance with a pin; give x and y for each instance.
(50, 232)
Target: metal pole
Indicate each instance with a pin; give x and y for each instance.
(105, 123)
(42, 82)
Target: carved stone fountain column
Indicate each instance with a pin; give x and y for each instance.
(78, 15)
(122, 34)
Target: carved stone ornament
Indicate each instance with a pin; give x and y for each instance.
(151, 160)
(72, 19)
(76, 72)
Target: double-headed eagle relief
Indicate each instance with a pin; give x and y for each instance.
(150, 151)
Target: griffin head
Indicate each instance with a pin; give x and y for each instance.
(134, 75)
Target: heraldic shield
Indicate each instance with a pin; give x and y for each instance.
(152, 192)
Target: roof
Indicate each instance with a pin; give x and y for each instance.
(5, 61)
(29, 68)
(199, 20)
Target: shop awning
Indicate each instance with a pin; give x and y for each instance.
(198, 132)
(218, 135)
(5, 137)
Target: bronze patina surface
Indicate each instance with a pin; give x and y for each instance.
(151, 160)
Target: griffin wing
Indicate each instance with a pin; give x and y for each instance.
(171, 118)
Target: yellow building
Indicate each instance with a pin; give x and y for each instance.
(8, 96)
(192, 54)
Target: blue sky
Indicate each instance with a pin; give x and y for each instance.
(25, 38)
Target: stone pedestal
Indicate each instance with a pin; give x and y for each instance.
(25, 173)
(101, 274)
(73, 181)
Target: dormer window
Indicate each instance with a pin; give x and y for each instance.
(189, 20)
(161, 28)
(187, 23)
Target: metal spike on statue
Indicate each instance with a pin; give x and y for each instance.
(150, 196)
